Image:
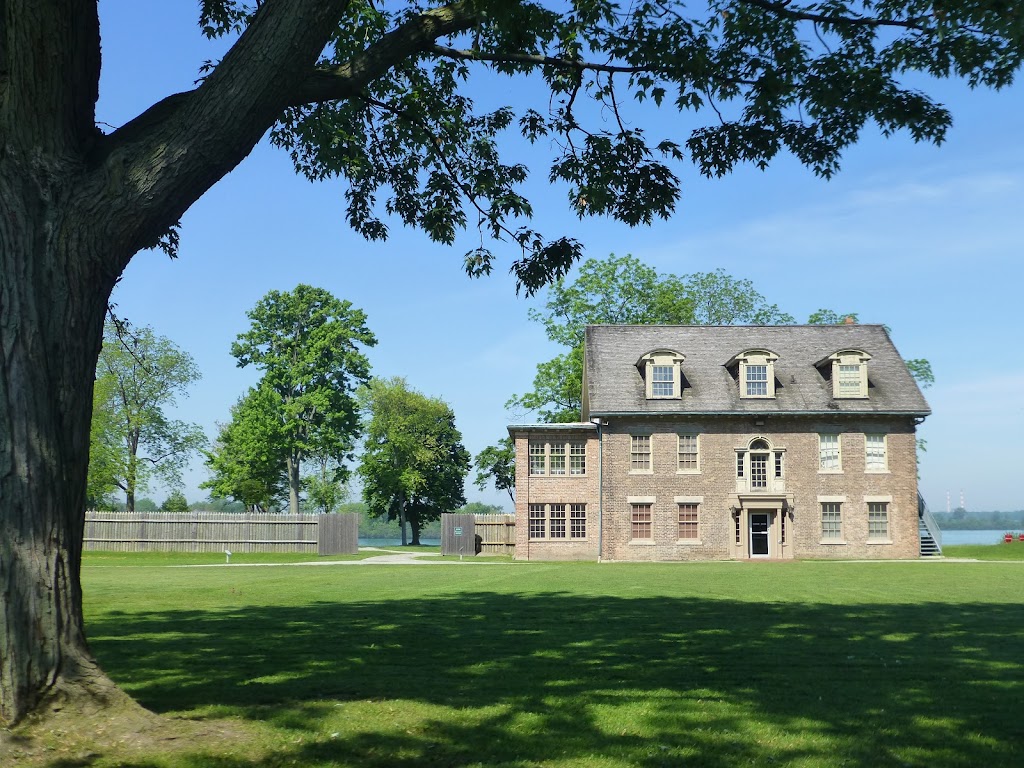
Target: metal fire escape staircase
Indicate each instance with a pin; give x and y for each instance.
(928, 531)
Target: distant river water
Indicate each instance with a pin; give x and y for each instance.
(395, 542)
(974, 537)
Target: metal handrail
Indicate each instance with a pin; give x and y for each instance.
(929, 520)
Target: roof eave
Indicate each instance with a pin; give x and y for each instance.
(619, 414)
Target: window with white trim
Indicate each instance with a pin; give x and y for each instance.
(831, 520)
(849, 371)
(556, 459)
(577, 458)
(829, 454)
(662, 373)
(875, 453)
(577, 521)
(641, 522)
(756, 381)
(756, 373)
(688, 454)
(558, 456)
(557, 521)
(556, 514)
(639, 453)
(688, 521)
(663, 381)
(538, 521)
(878, 520)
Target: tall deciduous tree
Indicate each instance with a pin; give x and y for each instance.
(308, 345)
(104, 446)
(248, 460)
(414, 464)
(143, 374)
(377, 94)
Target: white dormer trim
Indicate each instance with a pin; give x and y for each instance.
(756, 374)
(662, 364)
(849, 374)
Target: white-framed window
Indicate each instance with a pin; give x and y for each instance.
(831, 521)
(849, 374)
(875, 453)
(641, 523)
(689, 519)
(556, 514)
(639, 453)
(756, 381)
(663, 381)
(878, 520)
(538, 521)
(688, 454)
(577, 458)
(577, 521)
(829, 453)
(557, 521)
(663, 374)
(558, 456)
(756, 369)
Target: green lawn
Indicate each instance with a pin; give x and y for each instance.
(1014, 551)
(576, 664)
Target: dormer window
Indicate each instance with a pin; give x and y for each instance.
(662, 373)
(756, 373)
(849, 373)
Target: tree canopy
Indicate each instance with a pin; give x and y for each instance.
(497, 463)
(248, 460)
(141, 375)
(381, 96)
(413, 465)
(622, 290)
(309, 346)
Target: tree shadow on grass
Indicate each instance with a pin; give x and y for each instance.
(581, 679)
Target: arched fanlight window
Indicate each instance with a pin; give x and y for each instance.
(759, 463)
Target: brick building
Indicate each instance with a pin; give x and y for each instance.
(704, 443)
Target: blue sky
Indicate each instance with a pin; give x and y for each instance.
(924, 239)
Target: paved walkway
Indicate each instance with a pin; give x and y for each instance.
(387, 557)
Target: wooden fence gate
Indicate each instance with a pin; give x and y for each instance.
(480, 534)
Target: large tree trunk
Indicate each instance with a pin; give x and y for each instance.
(414, 523)
(293, 484)
(75, 205)
(51, 321)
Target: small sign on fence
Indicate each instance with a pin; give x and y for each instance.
(458, 530)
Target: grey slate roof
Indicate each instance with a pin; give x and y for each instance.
(614, 386)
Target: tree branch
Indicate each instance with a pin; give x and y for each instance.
(536, 60)
(578, 65)
(155, 167)
(786, 10)
(415, 36)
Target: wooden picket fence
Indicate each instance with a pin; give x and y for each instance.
(219, 531)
